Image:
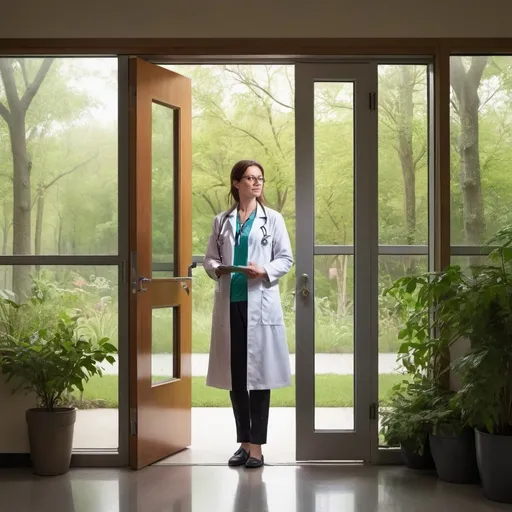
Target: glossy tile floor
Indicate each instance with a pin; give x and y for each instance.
(98, 429)
(221, 489)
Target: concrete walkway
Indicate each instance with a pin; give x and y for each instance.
(340, 364)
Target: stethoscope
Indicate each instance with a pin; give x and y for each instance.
(264, 234)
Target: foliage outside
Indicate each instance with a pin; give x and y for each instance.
(58, 150)
(59, 187)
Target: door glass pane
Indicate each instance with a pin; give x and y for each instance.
(334, 342)
(334, 163)
(163, 158)
(163, 345)
(466, 262)
(391, 372)
(403, 154)
(58, 187)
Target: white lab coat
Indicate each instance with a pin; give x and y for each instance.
(268, 362)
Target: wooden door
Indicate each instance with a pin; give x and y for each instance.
(161, 255)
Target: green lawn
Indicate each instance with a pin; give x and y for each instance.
(331, 391)
(332, 336)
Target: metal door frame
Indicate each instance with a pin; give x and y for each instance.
(338, 444)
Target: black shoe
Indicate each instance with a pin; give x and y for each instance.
(253, 462)
(239, 458)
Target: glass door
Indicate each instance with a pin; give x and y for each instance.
(336, 261)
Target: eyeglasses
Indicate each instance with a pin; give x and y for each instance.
(254, 179)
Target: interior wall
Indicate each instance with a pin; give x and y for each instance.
(265, 18)
(13, 429)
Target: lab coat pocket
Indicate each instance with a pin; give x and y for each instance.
(271, 309)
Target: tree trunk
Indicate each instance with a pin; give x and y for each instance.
(405, 149)
(21, 201)
(39, 224)
(59, 236)
(341, 281)
(470, 180)
(5, 229)
(465, 85)
(15, 117)
(5, 241)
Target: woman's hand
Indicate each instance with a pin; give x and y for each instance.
(220, 272)
(255, 271)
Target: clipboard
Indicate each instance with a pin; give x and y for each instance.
(233, 269)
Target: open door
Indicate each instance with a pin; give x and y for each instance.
(161, 256)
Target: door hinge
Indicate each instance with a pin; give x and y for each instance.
(373, 101)
(373, 410)
(133, 422)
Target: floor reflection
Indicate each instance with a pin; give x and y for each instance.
(214, 488)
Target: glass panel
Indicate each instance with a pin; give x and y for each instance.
(466, 262)
(334, 342)
(481, 137)
(163, 343)
(91, 295)
(403, 154)
(163, 158)
(392, 268)
(334, 163)
(64, 168)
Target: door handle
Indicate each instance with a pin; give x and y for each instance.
(305, 284)
(183, 281)
(141, 281)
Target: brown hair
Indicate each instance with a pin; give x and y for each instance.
(236, 175)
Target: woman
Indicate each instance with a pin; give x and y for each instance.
(248, 351)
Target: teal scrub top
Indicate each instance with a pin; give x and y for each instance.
(238, 292)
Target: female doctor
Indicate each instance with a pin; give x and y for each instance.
(248, 350)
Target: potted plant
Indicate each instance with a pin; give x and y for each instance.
(48, 362)
(486, 371)
(430, 305)
(404, 423)
(452, 441)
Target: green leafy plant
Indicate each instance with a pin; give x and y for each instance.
(403, 415)
(441, 308)
(486, 320)
(429, 304)
(48, 361)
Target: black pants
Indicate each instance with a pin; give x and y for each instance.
(249, 407)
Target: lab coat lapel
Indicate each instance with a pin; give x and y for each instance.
(255, 235)
(232, 222)
(230, 238)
